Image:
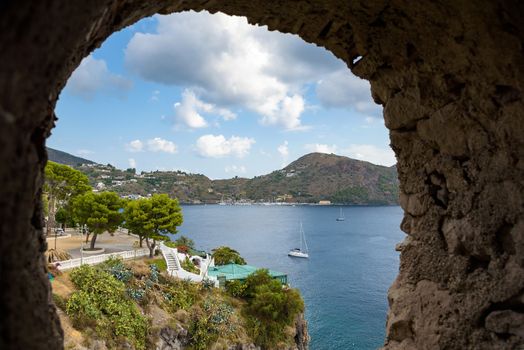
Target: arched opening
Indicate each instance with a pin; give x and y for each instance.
(155, 55)
(450, 78)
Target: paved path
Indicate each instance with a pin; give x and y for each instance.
(117, 243)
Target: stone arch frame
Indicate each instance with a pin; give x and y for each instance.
(450, 77)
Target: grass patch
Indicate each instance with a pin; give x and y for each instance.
(159, 262)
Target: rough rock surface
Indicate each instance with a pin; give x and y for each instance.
(449, 74)
(172, 339)
(178, 339)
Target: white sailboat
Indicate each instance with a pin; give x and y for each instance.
(341, 216)
(300, 252)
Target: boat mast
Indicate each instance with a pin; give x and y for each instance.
(302, 238)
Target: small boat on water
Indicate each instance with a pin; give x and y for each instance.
(300, 252)
(341, 216)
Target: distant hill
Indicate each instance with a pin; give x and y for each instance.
(66, 158)
(309, 179)
(320, 176)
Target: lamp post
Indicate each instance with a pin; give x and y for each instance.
(82, 229)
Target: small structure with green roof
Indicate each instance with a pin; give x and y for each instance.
(231, 272)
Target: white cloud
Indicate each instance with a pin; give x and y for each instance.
(230, 63)
(344, 90)
(370, 120)
(283, 149)
(155, 96)
(234, 169)
(212, 146)
(132, 163)
(93, 76)
(187, 112)
(321, 148)
(135, 146)
(290, 109)
(372, 154)
(160, 145)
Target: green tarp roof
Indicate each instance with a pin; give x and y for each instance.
(238, 272)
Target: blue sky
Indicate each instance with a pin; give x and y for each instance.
(212, 94)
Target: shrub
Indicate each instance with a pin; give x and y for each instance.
(155, 272)
(181, 294)
(183, 249)
(60, 302)
(225, 255)
(270, 308)
(208, 284)
(236, 288)
(256, 279)
(184, 241)
(208, 323)
(115, 267)
(101, 302)
(170, 244)
(137, 294)
(189, 266)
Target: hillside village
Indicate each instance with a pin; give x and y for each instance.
(315, 178)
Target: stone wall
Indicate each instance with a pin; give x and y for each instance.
(449, 75)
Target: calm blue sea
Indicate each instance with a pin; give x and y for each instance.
(344, 282)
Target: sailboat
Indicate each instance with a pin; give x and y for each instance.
(341, 216)
(300, 252)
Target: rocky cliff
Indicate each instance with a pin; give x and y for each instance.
(132, 305)
(177, 338)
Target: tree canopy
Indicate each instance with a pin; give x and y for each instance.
(99, 212)
(153, 218)
(225, 255)
(62, 184)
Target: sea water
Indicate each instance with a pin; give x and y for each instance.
(351, 263)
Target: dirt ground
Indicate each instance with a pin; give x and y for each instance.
(112, 243)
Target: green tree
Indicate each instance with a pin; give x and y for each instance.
(270, 308)
(62, 184)
(135, 218)
(99, 212)
(185, 241)
(225, 255)
(153, 219)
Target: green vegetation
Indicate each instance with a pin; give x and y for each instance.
(236, 288)
(269, 309)
(189, 266)
(66, 158)
(102, 304)
(184, 241)
(160, 263)
(351, 195)
(211, 321)
(153, 219)
(225, 255)
(110, 300)
(99, 212)
(309, 179)
(62, 184)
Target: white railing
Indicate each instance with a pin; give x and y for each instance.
(97, 259)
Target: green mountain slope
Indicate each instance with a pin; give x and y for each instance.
(319, 176)
(66, 158)
(309, 179)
